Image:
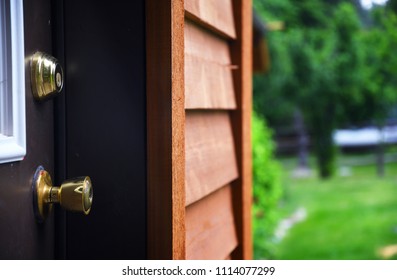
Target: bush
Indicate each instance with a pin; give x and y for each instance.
(267, 189)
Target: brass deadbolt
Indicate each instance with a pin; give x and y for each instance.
(73, 195)
(46, 76)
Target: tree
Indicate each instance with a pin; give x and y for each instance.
(328, 65)
(392, 5)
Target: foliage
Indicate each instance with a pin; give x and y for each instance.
(267, 188)
(329, 65)
(392, 4)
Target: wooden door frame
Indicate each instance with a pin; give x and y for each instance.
(166, 128)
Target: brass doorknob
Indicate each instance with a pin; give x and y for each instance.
(74, 194)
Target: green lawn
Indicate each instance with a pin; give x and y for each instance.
(347, 217)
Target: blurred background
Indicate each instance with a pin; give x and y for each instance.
(325, 129)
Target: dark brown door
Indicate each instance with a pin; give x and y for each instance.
(96, 127)
(102, 127)
(21, 237)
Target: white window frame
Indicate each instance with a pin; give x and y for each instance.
(12, 105)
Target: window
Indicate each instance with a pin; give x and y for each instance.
(12, 82)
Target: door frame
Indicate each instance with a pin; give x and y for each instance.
(61, 12)
(165, 129)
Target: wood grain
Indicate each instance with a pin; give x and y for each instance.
(202, 43)
(210, 227)
(241, 119)
(208, 85)
(165, 129)
(208, 70)
(216, 15)
(210, 153)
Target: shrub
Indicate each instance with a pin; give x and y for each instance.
(267, 189)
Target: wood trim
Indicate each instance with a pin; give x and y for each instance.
(165, 129)
(241, 118)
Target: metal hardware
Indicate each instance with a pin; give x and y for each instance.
(74, 194)
(46, 76)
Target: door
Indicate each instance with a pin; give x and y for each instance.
(95, 127)
(101, 122)
(21, 236)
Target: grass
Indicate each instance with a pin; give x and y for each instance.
(347, 217)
